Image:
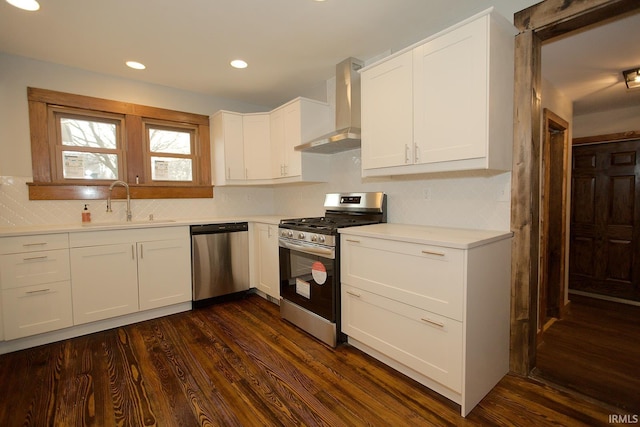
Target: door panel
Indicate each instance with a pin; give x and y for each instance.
(605, 250)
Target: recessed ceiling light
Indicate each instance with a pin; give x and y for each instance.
(30, 5)
(135, 65)
(238, 63)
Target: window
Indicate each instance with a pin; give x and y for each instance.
(79, 145)
(87, 147)
(171, 152)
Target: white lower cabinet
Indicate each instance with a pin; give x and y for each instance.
(431, 302)
(35, 283)
(265, 263)
(124, 271)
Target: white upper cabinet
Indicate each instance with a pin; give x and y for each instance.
(293, 124)
(257, 146)
(227, 137)
(387, 126)
(443, 104)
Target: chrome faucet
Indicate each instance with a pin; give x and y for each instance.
(126, 186)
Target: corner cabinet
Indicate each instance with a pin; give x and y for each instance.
(441, 314)
(443, 104)
(258, 148)
(124, 271)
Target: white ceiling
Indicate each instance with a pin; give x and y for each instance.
(291, 46)
(587, 66)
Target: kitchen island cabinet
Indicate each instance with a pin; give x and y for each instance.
(123, 271)
(35, 283)
(431, 302)
(443, 104)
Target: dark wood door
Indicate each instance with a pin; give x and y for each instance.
(605, 213)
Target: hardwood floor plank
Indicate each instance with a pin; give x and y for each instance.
(240, 364)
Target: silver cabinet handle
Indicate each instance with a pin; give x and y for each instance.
(353, 241)
(433, 322)
(38, 291)
(416, 152)
(353, 294)
(406, 153)
(34, 244)
(133, 252)
(141, 250)
(433, 253)
(35, 257)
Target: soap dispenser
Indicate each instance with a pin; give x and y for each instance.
(86, 214)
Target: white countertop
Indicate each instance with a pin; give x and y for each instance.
(159, 222)
(458, 238)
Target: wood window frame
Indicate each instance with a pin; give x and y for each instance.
(193, 156)
(47, 184)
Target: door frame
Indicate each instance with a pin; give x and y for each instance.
(543, 21)
(553, 122)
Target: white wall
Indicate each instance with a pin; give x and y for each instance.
(464, 199)
(606, 122)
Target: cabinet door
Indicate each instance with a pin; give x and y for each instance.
(257, 147)
(277, 142)
(292, 138)
(104, 282)
(387, 113)
(36, 309)
(451, 95)
(233, 145)
(423, 341)
(164, 272)
(267, 259)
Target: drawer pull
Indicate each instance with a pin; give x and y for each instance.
(353, 294)
(35, 257)
(34, 244)
(353, 241)
(38, 291)
(433, 253)
(433, 322)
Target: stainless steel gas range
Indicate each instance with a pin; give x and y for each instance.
(310, 261)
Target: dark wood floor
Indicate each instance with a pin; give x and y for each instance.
(239, 364)
(595, 350)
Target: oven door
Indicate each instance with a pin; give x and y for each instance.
(307, 277)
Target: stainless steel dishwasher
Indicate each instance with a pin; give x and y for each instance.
(220, 262)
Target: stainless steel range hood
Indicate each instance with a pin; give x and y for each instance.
(347, 133)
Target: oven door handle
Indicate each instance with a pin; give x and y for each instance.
(311, 250)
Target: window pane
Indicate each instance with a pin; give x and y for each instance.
(170, 169)
(85, 133)
(169, 141)
(79, 165)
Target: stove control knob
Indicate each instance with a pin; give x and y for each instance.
(314, 237)
(301, 236)
(290, 234)
(321, 239)
(283, 233)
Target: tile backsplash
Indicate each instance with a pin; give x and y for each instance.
(476, 199)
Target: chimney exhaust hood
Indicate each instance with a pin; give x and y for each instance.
(347, 134)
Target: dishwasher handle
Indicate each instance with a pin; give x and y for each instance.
(228, 227)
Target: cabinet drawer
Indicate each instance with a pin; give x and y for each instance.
(26, 269)
(41, 242)
(421, 340)
(426, 277)
(36, 309)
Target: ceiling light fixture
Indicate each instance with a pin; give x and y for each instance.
(30, 5)
(238, 63)
(632, 78)
(135, 65)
